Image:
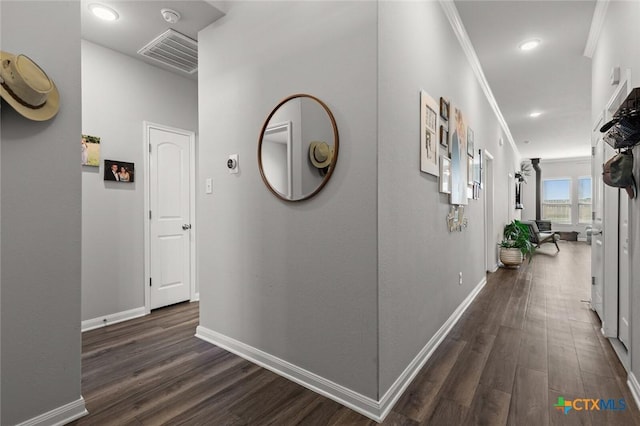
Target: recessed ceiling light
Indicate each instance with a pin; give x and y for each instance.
(103, 12)
(529, 44)
(535, 114)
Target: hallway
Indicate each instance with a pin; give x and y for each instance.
(526, 340)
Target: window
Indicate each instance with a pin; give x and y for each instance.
(556, 200)
(584, 200)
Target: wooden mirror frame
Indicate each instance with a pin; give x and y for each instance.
(335, 147)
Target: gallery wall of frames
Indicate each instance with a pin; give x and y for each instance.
(448, 151)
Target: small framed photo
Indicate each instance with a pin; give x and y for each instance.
(444, 109)
(470, 145)
(469, 170)
(119, 171)
(445, 175)
(428, 134)
(444, 137)
(477, 162)
(90, 150)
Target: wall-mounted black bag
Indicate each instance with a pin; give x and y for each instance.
(618, 172)
(625, 132)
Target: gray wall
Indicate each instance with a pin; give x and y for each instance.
(118, 94)
(571, 168)
(41, 220)
(419, 260)
(618, 47)
(298, 281)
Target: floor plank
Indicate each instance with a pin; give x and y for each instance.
(525, 341)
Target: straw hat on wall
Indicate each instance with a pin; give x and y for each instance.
(27, 88)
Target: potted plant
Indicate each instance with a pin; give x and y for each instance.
(516, 244)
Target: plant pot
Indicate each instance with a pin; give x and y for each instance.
(511, 256)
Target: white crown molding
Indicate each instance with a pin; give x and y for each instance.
(597, 22)
(451, 12)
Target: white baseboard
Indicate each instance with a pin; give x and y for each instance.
(111, 319)
(634, 387)
(396, 390)
(195, 298)
(375, 410)
(342, 395)
(59, 416)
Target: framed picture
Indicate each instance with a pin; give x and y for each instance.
(477, 163)
(458, 148)
(428, 134)
(90, 150)
(476, 191)
(470, 142)
(469, 171)
(444, 137)
(444, 109)
(118, 171)
(445, 174)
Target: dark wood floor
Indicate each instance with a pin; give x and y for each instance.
(526, 340)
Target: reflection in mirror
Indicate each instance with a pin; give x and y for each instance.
(298, 148)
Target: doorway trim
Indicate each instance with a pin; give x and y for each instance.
(488, 229)
(147, 126)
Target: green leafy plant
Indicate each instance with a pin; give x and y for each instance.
(516, 235)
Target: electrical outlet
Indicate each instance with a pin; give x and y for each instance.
(460, 282)
(208, 183)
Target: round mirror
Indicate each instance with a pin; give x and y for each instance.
(298, 148)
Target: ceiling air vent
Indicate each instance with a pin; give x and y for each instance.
(173, 49)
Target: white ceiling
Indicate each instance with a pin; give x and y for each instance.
(554, 79)
(140, 22)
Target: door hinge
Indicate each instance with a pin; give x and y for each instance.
(149, 214)
(149, 147)
(593, 215)
(593, 280)
(150, 282)
(593, 150)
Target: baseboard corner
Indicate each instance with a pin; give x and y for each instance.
(59, 416)
(634, 387)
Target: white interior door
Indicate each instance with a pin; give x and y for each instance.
(623, 276)
(170, 217)
(597, 242)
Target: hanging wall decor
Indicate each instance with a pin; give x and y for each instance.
(455, 219)
(470, 143)
(445, 174)
(118, 171)
(428, 134)
(458, 147)
(90, 150)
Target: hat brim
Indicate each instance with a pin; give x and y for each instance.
(46, 112)
(314, 161)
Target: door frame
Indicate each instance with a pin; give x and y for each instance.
(489, 244)
(611, 257)
(147, 126)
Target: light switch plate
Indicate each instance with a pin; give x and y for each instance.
(208, 186)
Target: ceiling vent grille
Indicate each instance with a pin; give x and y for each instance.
(173, 49)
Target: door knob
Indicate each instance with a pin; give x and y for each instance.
(186, 226)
